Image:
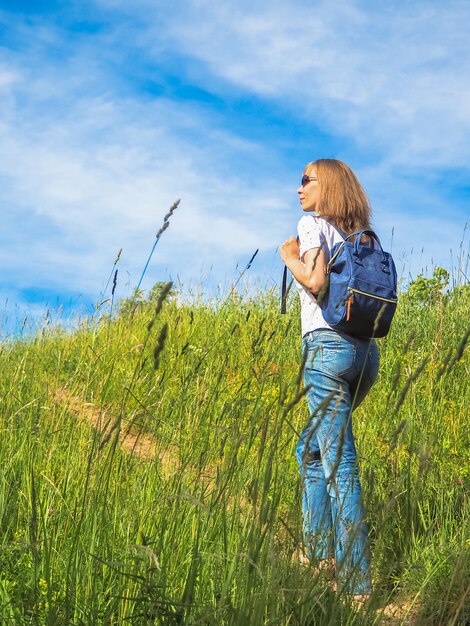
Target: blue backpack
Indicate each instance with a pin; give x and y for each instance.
(360, 295)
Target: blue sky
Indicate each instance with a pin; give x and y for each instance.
(111, 110)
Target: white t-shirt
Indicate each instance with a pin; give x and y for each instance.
(314, 232)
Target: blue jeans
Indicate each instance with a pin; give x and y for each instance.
(339, 372)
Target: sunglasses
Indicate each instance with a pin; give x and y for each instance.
(306, 179)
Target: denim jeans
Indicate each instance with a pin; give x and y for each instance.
(339, 370)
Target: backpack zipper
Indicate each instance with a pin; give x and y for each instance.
(370, 295)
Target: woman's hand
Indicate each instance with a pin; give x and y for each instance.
(308, 271)
(289, 249)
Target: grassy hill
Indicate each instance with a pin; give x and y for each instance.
(148, 472)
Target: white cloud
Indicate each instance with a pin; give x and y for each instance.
(85, 178)
(391, 76)
(88, 165)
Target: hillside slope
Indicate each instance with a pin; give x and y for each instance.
(148, 470)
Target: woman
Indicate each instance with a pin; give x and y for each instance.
(339, 372)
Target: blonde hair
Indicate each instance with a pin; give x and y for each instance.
(342, 198)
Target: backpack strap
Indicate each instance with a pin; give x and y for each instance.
(366, 231)
(284, 291)
(370, 233)
(372, 238)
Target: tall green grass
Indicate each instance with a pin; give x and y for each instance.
(201, 527)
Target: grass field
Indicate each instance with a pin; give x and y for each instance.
(148, 472)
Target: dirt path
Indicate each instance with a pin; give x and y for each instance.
(131, 440)
(145, 447)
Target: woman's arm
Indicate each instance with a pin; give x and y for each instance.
(309, 271)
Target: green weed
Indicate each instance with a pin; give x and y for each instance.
(148, 471)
